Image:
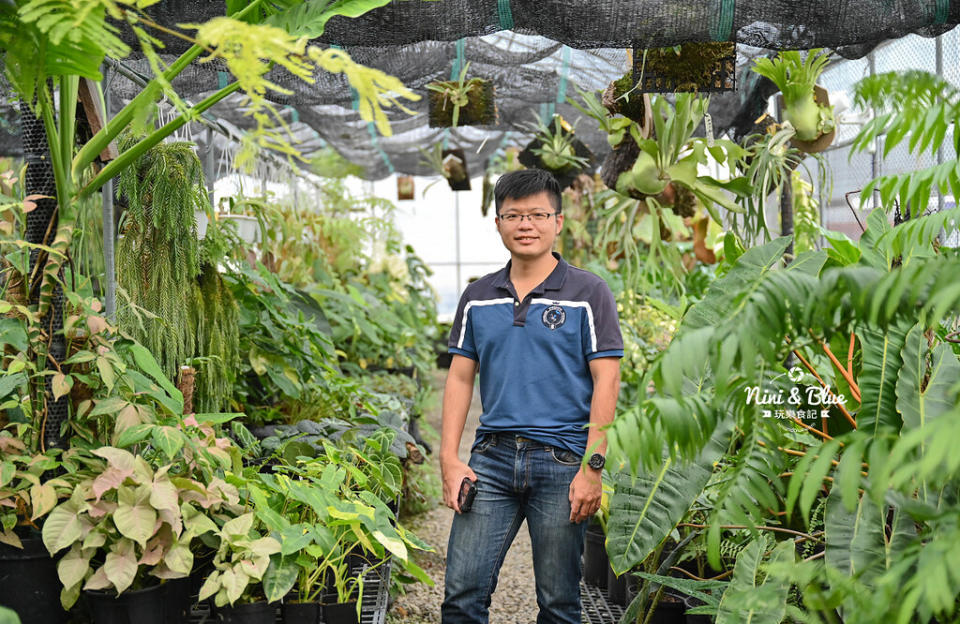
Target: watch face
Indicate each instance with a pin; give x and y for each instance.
(596, 461)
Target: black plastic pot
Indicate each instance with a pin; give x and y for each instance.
(633, 588)
(29, 583)
(252, 613)
(178, 601)
(302, 613)
(670, 610)
(617, 587)
(341, 613)
(690, 602)
(141, 606)
(595, 560)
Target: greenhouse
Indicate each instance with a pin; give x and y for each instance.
(434, 311)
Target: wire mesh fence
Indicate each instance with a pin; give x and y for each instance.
(851, 172)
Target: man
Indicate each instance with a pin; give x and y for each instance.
(546, 340)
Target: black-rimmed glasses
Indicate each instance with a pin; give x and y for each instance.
(536, 217)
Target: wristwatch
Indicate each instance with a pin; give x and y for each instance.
(597, 461)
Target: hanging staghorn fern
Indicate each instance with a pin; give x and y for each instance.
(158, 255)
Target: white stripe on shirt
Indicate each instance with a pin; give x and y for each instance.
(466, 310)
(575, 304)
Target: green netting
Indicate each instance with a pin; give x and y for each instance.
(774, 24)
(553, 48)
(533, 77)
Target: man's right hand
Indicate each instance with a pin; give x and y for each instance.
(452, 472)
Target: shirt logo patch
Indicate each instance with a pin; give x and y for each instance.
(553, 317)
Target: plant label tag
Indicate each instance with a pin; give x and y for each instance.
(708, 126)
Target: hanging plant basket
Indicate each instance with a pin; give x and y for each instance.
(455, 169)
(486, 195)
(480, 109)
(618, 161)
(405, 190)
(620, 99)
(701, 67)
(566, 175)
(248, 228)
(821, 97)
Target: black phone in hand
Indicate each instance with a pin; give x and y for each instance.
(468, 491)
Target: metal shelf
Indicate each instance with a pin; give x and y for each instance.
(373, 609)
(596, 609)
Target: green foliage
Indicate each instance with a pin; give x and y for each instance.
(555, 148)
(646, 506)
(921, 109)
(767, 163)
(795, 77)
(754, 595)
(909, 393)
(616, 128)
(456, 93)
(215, 316)
(674, 154)
(289, 361)
(124, 520)
(308, 19)
(67, 38)
(158, 256)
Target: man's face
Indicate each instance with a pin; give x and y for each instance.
(529, 237)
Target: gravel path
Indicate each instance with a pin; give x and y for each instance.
(514, 601)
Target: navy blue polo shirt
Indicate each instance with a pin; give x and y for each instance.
(533, 355)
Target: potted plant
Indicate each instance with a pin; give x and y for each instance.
(405, 188)
(556, 149)
(451, 164)
(29, 574)
(242, 559)
(666, 167)
(595, 560)
(806, 105)
(127, 527)
(462, 102)
(328, 514)
(248, 226)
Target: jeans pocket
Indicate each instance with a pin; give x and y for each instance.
(485, 443)
(564, 457)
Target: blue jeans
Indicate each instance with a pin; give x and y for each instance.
(517, 478)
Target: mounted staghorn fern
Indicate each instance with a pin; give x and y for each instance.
(796, 77)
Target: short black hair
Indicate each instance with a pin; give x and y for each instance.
(527, 182)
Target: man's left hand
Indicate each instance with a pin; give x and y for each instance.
(585, 492)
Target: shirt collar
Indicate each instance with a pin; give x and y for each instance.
(554, 281)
